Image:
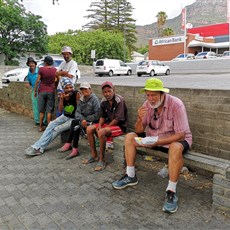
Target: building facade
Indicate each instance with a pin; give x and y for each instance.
(206, 38)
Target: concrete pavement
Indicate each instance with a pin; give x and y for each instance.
(49, 192)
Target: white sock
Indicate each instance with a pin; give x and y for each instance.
(171, 186)
(130, 171)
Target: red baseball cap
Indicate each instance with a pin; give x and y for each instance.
(107, 83)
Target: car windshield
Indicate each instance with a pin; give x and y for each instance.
(226, 53)
(143, 63)
(56, 63)
(182, 55)
(202, 53)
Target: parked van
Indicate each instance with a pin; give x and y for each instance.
(111, 67)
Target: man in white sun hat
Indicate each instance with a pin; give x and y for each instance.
(164, 118)
(68, 68)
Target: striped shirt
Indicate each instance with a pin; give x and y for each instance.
(173, 119)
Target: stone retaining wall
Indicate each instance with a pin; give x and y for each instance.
(208, 112)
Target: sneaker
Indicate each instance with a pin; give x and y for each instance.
(170, 204)
(32, 152)
(124, 182)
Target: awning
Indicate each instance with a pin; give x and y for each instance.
(195, 43)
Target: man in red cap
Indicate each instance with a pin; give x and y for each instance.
(112, 123)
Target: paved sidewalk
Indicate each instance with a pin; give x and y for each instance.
(49, 192)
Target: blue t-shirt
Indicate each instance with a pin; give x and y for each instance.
(32, 77)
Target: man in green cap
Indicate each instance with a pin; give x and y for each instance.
(162, 124)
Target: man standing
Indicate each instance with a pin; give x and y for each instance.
(45, 88)
(112, 123)
(67, 69)
(163, 117)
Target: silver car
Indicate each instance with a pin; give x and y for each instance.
(205, 55)
(183, 57)
(152, 68)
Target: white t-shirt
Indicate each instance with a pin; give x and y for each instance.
(71, 67)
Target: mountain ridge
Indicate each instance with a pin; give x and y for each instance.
(199, 13)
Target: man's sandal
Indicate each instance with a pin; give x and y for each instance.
(90, 160)
(100, 166)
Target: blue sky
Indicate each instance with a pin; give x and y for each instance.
(69, 14)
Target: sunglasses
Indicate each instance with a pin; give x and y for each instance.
(157, 121)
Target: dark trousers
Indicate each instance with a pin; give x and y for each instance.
(74, 134)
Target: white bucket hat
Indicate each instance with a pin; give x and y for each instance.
(66, 49)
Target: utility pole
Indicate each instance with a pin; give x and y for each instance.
(125, 5)
(124, 44)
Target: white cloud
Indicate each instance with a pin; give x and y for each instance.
(69, 14)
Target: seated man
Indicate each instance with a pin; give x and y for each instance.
(112, 123)
(163, 117)
(68, 103)
(87, 112)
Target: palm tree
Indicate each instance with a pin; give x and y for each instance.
(167, 32)
(161, 19)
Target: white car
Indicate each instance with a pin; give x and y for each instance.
(206, 55)
(152, 68)
(226, 54)
(183, 57)
(111, 67)
(20, 74)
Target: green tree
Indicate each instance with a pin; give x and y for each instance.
(99, 15)
(161, 19)
(122, 21)
(107, 44)
(20, 31)
(143, 50)
(113, 15)
(167, 32)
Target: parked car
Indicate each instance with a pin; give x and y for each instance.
(111, 67)
(205, 55)
(20, 74)
(183, 57)
(226, 54)
(152, 68)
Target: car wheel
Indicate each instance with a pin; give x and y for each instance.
(129, 72)
(26, 78)
(167, 72)
(152, 73)
(110, 73)
(139, 74)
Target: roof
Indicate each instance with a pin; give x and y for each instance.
(136, 54)
(211, 30)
